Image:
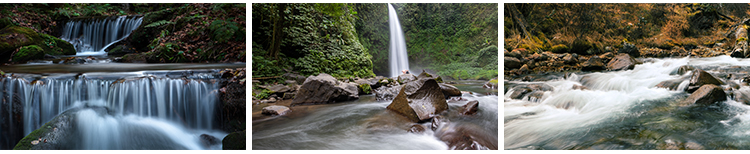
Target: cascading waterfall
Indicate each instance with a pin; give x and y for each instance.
(187, 102)
(91, 36)
(399, 60)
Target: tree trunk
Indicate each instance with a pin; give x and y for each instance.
(278, 25)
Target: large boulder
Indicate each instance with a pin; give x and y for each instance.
(670, 84)
(700, 78)
(325, 89)
(706, 95)
(14, 37)
(449, 90)
(621, 62)
(593, 64)
(740, 47)
(419, 100)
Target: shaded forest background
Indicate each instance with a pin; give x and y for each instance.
(352, 40)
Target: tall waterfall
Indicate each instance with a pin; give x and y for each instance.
(32, 100)
(399, 60)
(91, 36)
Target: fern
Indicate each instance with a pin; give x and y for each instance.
(158, 23)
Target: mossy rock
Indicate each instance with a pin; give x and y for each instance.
(13, 37)
(27, 53)
(560, 48)
(55, 46)
(364, 88)
(235, 141)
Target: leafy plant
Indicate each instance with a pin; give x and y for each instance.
(158, 23)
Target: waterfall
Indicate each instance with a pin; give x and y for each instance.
(91, 36)
(399, 60)
(187, 101)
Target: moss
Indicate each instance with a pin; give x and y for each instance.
(580, 47)
(364, 88)
(27, 53)
(5, 22)
(55, 46)
(234, 141)
(560, 48)
(741, 39)
(493, 81)
(439, 79)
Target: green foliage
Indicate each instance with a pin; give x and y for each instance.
(365, 88)
(158, 23)
(223, 30)
(262, 66)
(263, 94)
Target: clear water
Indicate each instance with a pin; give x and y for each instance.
(624, 110)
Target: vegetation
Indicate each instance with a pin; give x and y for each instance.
(314, 38)
(590, 28)
(438, 37)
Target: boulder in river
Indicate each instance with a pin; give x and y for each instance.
(470, 108)
(700, 78)
(419, 100)
(416, 128)
(209, 140)
(629, 49)
(706, 95)
(449, 90)
(670, 84)
(325, 89)
(275, 110)
(621, 62)
(234, 141)
(438, 121)
(386, 93)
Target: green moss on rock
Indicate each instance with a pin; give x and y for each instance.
(560, 48)
(27, 53)
(365, 88)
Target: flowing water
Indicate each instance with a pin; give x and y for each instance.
(365, 124)
(624, 110)
(399, 60)
(90, 36)
(177, 105)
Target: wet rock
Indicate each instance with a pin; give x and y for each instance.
(386, 93)
(742, 96)
(700, 78)
(419, 100)
(209, 140)
(593, 64)
(234, 141)
(406, 78)
(289, 95)
(419, 129)
(465, 136)
(296, 77)
(449, 90)
(745, 80)
(516, 53)
(606, 57)
(536, 96)
(519, 92)
(683, 69)
(512, 63)
(580, 87)
(690, 145)
(275, 110)
(621, 62)
(670, 84)
(491, 84)
(570, 58)
(325, 89)
(438, 121)
(470, 108)
(629, 49)
(524, 69)
(740, 49)
(706, 95)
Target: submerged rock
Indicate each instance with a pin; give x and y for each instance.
(325, 89)
(670, 84)
(419, 100)
(209, 140)
(466, 136)
(416, 128)
(438, 121)
(706, 95)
